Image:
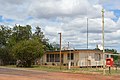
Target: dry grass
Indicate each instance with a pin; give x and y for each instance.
(72, 70)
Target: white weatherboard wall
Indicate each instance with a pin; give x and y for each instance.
(89, 59)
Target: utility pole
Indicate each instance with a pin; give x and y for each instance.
(60, 49)
(87, 33)
(103, 41)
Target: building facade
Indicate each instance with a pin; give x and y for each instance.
(81, 58)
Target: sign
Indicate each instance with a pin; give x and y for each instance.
(109, 62)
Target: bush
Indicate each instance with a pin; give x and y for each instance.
(27, 51)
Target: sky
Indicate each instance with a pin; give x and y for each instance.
(68, 17)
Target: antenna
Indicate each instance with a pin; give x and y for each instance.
(87, 33)
(60, 48)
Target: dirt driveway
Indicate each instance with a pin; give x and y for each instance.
(22, 74)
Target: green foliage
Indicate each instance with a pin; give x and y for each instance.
(5, 56)
(5, 33)
(19, 43)
(27, 51)
(115, 57)
(39, 35)
(41, 38)
(21, 32)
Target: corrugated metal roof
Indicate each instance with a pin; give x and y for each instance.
(78, 51)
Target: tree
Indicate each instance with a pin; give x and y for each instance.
(5, 55)
(39, 34)
(28, 50)
(18, 43)
(114, 52)
(5, 33)
(41, 38)
(21, 33)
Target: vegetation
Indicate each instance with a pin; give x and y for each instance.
(28, 50)
(21, 45)
(115, 57)
(72, 70)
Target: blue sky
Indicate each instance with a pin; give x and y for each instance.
(117, 14)
(1, 20)
(68, 17)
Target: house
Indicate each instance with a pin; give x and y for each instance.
(81, 58)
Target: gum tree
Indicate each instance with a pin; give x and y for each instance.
(27, 51)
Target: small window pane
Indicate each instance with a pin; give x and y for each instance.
(57, 58)
(47, 57)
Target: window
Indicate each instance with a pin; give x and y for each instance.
(70, 56)
(97, 57)
(51, 57)
(107, 56)
(57, 58)
(48, 56)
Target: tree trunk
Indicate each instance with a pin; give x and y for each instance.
(29, 62)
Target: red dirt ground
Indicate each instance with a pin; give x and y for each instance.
(14, 74)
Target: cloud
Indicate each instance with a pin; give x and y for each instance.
(66, 16)
(66, 8)
(20, 10)
(47, 9)
(110, 4)
(75, 31)
(14, 9)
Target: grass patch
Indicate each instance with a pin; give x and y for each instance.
(113, 72)
(65, 69)
(9, 66)
(72, 70)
